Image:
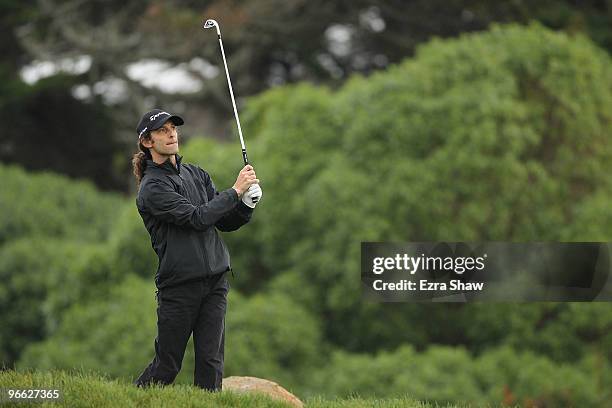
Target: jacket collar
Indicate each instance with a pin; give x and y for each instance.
(167, 165)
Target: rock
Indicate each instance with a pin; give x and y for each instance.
(253, 384)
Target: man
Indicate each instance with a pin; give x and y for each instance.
(182, 211)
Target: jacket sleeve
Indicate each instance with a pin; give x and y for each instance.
(237, 217)
(163, 202)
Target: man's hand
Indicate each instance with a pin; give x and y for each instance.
(252, 196)
(245, 179)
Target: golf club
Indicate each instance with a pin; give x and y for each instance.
(210, 24)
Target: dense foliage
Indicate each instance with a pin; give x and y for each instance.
(92, 111)
(503, 135)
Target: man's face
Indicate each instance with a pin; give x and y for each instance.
(164, 141)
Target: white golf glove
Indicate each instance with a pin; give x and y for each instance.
(252, 196)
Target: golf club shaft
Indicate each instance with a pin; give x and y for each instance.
(229, 84)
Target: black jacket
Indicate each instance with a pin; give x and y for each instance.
(181, 209)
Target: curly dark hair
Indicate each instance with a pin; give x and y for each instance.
(139, 159)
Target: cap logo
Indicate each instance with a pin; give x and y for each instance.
(142, 131)
(153, 117)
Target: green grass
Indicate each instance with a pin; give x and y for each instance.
(80, 389)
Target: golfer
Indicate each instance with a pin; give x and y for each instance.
(182, 211)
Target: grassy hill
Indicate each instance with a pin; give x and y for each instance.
(81, 389)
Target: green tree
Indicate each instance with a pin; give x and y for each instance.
(42, 279)
(51, 205)
(450, 375)
(53, 252)
(113, 333)
(512, 143)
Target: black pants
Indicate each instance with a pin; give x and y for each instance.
(197, 307)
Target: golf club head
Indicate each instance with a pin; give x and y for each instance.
(210, 23)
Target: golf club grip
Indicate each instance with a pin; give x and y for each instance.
(244, 157)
